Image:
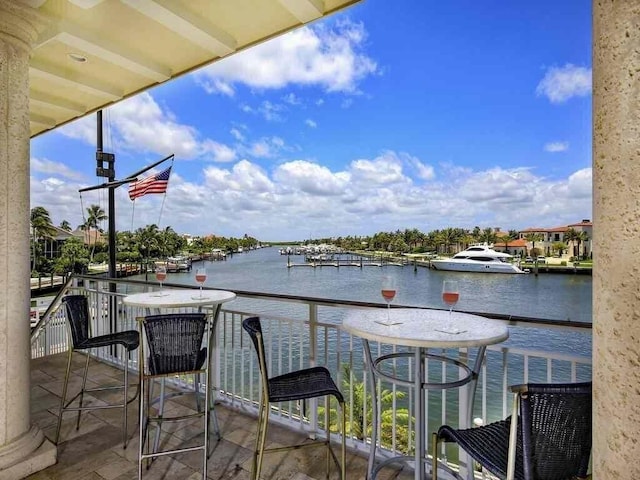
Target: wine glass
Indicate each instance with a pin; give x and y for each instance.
(388, 291)
(161, 275)
(201, 277)
(450, 294)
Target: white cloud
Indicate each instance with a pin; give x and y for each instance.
(266, 147)
(393, 190)
(562, 83)
(140, 124)
(331, 58)
(310, 123)
(54, 168)
(383, 170)
(554, 147)
(310, 178)
(220, 152)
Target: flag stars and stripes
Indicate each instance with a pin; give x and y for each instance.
(153, 184)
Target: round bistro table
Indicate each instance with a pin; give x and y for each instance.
(421, 329)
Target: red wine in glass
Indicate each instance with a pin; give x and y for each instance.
(450, 293)
(388, 291)
(201, 277)
(161, 276)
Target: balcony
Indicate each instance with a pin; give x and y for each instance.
(299, 332)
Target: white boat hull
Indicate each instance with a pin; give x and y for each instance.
(468, 265)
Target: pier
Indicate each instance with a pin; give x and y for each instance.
(347, 260)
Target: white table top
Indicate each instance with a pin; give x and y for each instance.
(425, 328)
(178, 298)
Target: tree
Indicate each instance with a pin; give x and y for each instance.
(448, 237)
(558, 247)
(505, 239)
(65, 225)
(488, 236)
(41, 228)
(583, 238)
(360, 418)
(533, 238)
(571, 237)
(74, 256)
(95, 215)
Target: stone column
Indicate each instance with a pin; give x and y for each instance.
(616, 280)
(23, 448)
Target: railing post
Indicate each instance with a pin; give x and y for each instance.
(313, 350)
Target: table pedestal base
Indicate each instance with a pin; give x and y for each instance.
(467, 378)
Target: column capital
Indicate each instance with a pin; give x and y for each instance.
(20, 23)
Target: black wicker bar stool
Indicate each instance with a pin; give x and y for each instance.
(298, 385)
(551, 439)
(79, 330)
(173, 345)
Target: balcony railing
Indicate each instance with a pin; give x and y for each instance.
(302, 332)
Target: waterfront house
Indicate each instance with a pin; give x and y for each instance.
(44, 88)
(555, 235)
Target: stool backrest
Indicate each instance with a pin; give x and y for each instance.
(556, 423)
(253, 327)
(175, 342)
(77, 310)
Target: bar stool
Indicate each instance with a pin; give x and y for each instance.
(79, 332)
(172, 346)
(298, 385)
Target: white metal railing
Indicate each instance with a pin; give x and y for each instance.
(301, 332)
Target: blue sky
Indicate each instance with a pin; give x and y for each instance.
(389, 115)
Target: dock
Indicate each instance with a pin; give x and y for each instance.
(346, 260)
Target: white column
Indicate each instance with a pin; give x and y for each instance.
(23, 448)
(616, 233)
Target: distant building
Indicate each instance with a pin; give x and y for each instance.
(554, 235)
(516, 247)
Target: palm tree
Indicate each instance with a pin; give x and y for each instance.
(488, 236)
(533, 238)
(571, 236)
(583, 237)
(95, 215)
(448, 237)
(65, 225)
(41, 228)
(505, 239)
(386, 399)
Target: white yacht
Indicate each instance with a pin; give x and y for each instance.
(477, 258)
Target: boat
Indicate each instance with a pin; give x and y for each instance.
(180, 263)
(477, 258)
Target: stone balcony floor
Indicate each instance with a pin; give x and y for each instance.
(94, 452)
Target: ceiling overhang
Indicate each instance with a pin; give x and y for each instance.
(94, 53)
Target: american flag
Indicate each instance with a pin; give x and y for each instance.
(153, 184)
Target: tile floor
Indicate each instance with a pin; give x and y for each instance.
(94, 452)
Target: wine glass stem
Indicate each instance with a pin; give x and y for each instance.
(200, 291)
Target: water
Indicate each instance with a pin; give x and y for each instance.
(546, 296)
